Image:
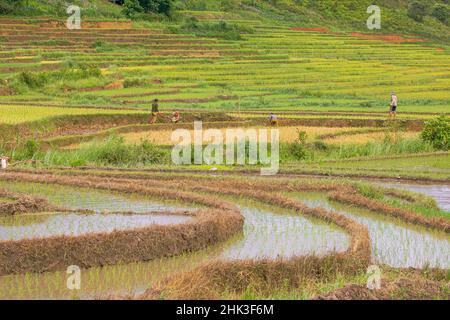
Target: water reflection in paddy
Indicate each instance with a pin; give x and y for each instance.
(394, 242)
(271, 235)
(441, 193)
(26, 227)
(268, 232)
(83, 198)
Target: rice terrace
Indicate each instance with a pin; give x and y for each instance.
(351, 114)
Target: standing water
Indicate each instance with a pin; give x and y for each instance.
(394, 242)
(268, 233)
(440, 193)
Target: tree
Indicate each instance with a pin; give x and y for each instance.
(131, 7)
(417, 11)
(8, 6)
(165, 7)
(157, 6)
(437, 132)
(441, 12)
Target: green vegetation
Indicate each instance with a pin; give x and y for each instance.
(319, 151)
(437, 132)
(417, 10)
(38, 80)
(93, 8)
(134, 7)
(410, 166)
(75, 107)
(422, 204)
(22, 114)
(441, 12)
(222, 29)
(189, 60)
(421, 17)
(110, 152)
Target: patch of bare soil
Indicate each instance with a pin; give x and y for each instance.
(316, 29)
(392, 38)
(5, 91)
(90, 24)
(401, 289)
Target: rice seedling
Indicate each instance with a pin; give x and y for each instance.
(393, 243)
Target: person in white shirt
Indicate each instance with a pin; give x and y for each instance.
(394, 102)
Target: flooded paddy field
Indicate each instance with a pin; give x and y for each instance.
(92, 199)
(269, 232)
(274, 233)
(394, 242)
(439, 192)
(72, 224)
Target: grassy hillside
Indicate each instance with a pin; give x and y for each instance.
(55, 8)
(223, 58)
(219, 61)
(352, 15)
(335, 14)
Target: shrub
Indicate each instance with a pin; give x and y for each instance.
(320, 145)
(28, 151)
(35, 80)
(135, 82)
(221, 29)
(417, 11)
(441, 13)
(294, 150)
(114, 151)
(164, 6)
(6, 7)
(32, 80)
(147, 153)
(437, 133)
(301, 136)
(131, 7)
(229, 5)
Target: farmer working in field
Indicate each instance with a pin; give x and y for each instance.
(175, 117)
(273, 119)
(155, 111)
(393, 110)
